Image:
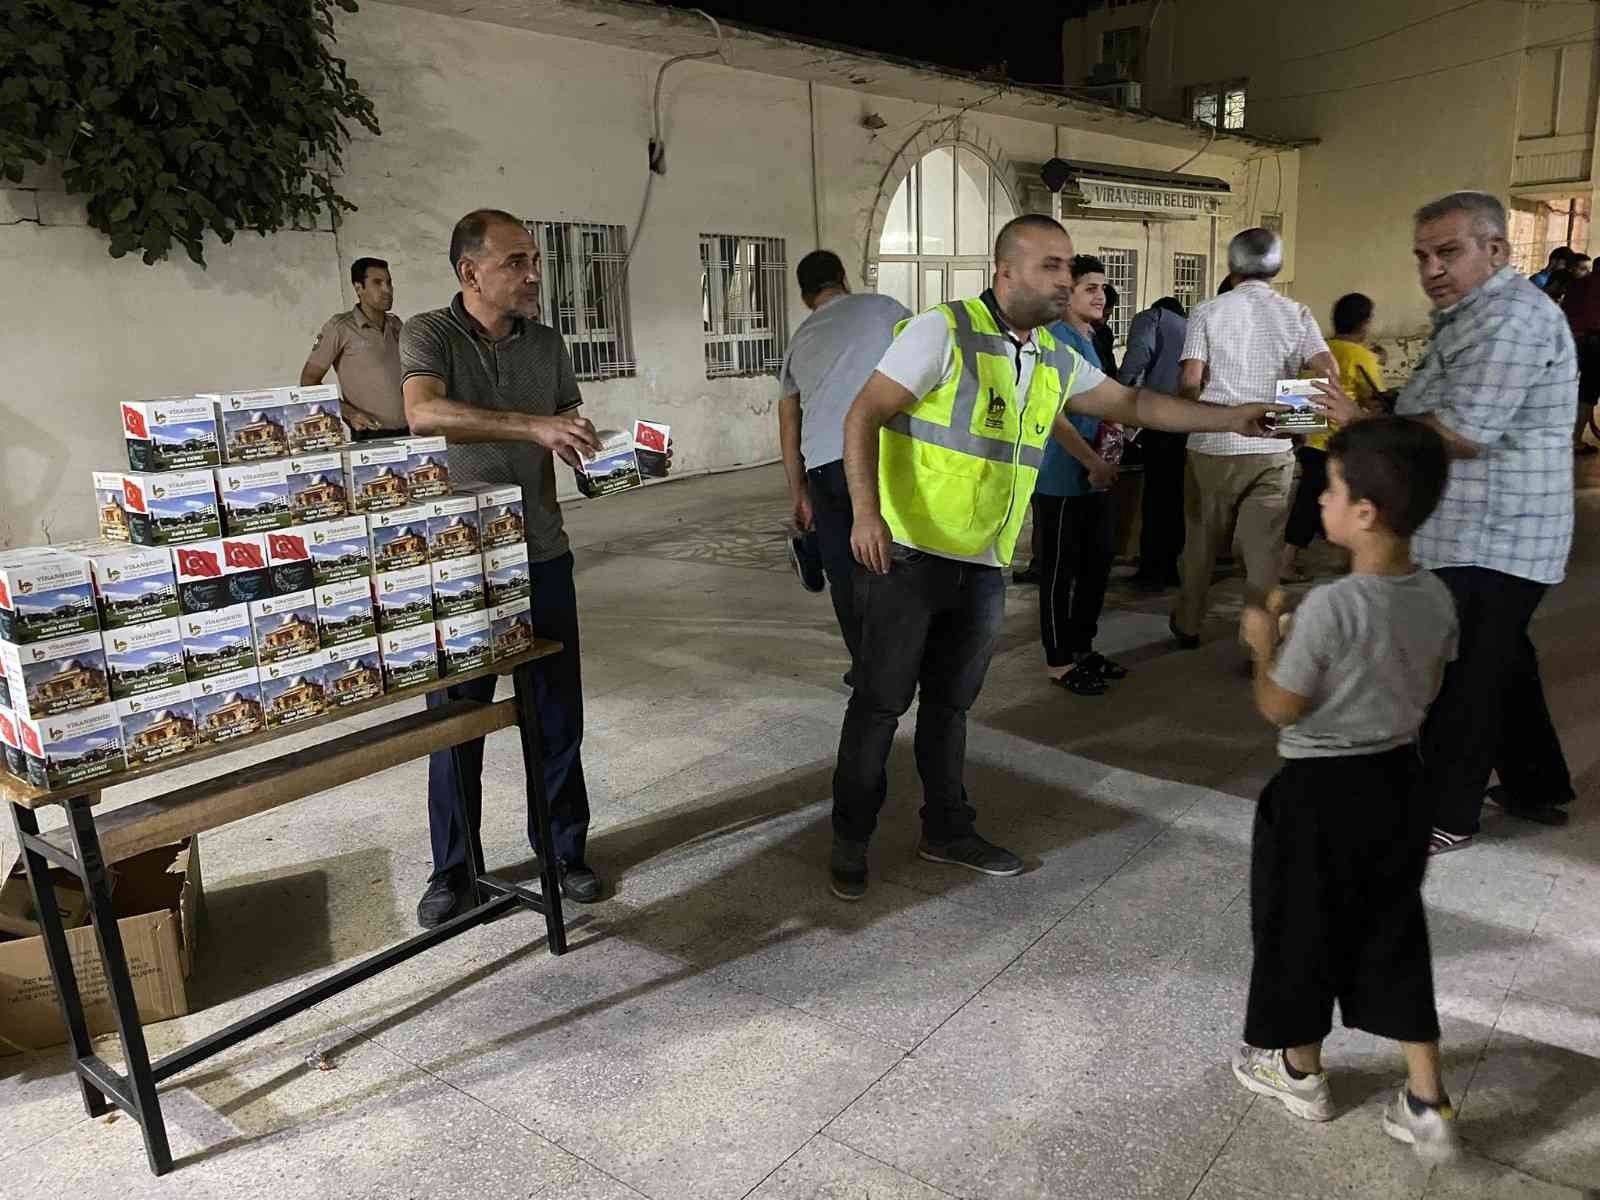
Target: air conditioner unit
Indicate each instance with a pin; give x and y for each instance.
(1124, 95)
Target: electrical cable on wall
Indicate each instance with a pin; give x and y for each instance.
(658, 145)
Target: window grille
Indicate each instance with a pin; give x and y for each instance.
(743, 304)
(585, 290)
(1122, 273)
(1189, 279)
(1219, 104)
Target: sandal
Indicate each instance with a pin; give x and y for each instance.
(1081, 682)
(1441, 841)
(1102, 666)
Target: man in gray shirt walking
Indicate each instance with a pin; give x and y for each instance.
(830, 359)
(485, 374)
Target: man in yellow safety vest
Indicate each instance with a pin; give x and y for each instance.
(941, 451)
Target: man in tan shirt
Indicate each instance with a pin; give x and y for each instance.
(363, 346)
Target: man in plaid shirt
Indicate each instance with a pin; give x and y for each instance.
(1500, 382)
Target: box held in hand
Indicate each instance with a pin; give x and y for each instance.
(1302, 394)
(612, 468)
(652, 442)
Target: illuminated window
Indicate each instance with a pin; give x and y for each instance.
(1219, 104)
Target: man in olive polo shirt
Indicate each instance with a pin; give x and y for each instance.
(485, 374)
(363, 346)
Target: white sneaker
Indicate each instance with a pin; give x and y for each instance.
(1432, 1132)
(1265, 1073)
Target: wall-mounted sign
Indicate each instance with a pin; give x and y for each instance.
(1104, 193)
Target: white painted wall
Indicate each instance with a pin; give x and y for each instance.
(481, 115)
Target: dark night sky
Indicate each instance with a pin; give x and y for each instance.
(964, 34)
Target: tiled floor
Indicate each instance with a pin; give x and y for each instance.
(724, 1028)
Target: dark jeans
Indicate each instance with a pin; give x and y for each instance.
(1305, 513)
(832, 517)
(1077, 536)
(1491, 714)
(1161, 511)
(931, 622)
(558, 693)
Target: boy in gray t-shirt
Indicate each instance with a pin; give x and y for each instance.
(1341, 832)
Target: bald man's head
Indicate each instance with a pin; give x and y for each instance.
(1032, 270)
(1014, 233)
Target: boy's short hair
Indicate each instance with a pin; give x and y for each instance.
(1351, 312)
(818, 270)
(1398, 464)
(1085, 264)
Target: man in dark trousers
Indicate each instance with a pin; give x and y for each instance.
(1155, 348)
(485, 374)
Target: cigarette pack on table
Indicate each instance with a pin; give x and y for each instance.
(285, 627)
(612, 468)
(339, 550)
(452, 528)
(255, 424)
(500, 513)
(1300, 393)
(222, 573)
(45, 594)
(11, 759)
(132, 584)
(354, 672)
(289, 563)
(228, 706)
(375, 476)
(113, 515)
(217, 643)
(312, 418)
(172, 507)
(650, 442)
(404, 599)
(175, 433)
(144, 658)
(254, 496)
(458, 587)
(72, 748)
(510, 628)
(294, 689)
(464, 643)
(158, 725)
(399, 538)
(344, 613)
(410, 656)
(58, 676)
(316, 487)
(506, 575)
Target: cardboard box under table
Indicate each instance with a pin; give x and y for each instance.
(99, 849)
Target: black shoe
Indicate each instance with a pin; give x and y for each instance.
(1081, 681)
(847, 869)
(972, 852)
(579, 883)
(446, 896)
(1186, 641)
(807, 562)
(1106, 668)
(1028, 574)
(1542, 814)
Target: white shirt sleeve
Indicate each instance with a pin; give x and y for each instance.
(923, 356)
(1086, 378)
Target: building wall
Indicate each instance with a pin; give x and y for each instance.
(1408, 98)
(482, 115)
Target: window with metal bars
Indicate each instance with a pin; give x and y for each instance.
(1189, 279)
(743, 304)
(1122, 273)
(1219, 104)
(585, 290)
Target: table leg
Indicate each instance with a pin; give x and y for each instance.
(533, 768)
(141, 1083)
(26, 822)
(470, 838)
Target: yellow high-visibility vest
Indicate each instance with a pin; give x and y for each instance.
(957, 468)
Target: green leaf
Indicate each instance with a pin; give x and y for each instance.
(121, 211)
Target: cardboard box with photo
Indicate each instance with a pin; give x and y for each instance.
(652, 443)
(1301, 394)
(458, 587)
(344, 613)
(222, 572)
(500, 514)
(171, 508)
(506, 574)
(312, 420)
(375, 477)
(289, 561)
(316, 487)
(254, 496)
(294, 689)
(175, 433)
(285, 627)
(133, 585)
(144, 658)
(254, 424)
(410, 656)
(510, 629)
(70, 748)
(228, 707)
(404, 599)
(613, 468)
(354, 672)
(11, 759)
(46, 594)
(339, 550)
(427, 467)
(217, 643)
(464, 643)
(45, 679)
(399, 538)
(158, 725)
(113, 514)
(453, 528)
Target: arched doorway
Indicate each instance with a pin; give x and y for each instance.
(938, 233)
